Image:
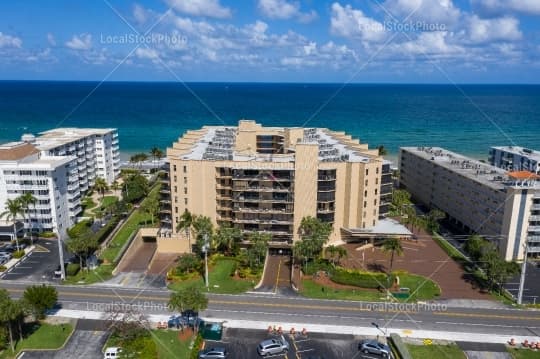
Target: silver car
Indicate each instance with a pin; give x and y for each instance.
(374, 347)
(273, 346)
(213, 353)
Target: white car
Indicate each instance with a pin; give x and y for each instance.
(112, 352)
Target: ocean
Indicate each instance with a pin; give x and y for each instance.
(468, 119)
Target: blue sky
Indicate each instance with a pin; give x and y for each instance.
(398, 41)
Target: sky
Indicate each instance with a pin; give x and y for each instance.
(352, 41)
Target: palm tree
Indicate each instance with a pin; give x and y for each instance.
(138, 159)
(335, 253)
(101, 186)
(382, 150)
(115, 186)
(393, 246)
(26, 200)
(186, 224)
(14, 210)
(156, 153)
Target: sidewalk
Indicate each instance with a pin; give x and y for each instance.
(328, 329)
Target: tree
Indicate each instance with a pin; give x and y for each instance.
(393, 246)
(39, 299)
(101, 186)
(382, 150)
(474, 247)
(10, 312)
(314, 233)
(14, 210)
(115, 186)
(227, 238)
(400, 199)
(433, 218)
(151, 207)
(202, 228)
(157, 154)
(135, 188)
(138, 159)
(83, 246)
(257, 249)
(335, 253)
(186, 224)
(189, 263)
(188, 298)
(27, 199)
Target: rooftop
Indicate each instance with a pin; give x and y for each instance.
(522, 151)
(384, 227)
(14, 151)
(486, 174)
(61, 136)
(219, 143)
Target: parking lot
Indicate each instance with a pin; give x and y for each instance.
(38, 265)
(242, 344)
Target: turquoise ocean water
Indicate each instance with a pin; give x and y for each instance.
(468, 119)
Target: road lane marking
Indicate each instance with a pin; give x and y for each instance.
(488, 325)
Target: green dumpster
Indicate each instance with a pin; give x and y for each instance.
(211, 331)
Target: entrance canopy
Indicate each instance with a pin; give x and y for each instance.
(385, 228)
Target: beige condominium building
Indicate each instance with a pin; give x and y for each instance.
(267, 179)
(502, 206)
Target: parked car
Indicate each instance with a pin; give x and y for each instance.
(3, 260)
(273, 346)
(13, 247)
(6, 255)
(374, 347)
(214, 353)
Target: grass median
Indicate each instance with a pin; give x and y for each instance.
(40, 336)
(435, 351)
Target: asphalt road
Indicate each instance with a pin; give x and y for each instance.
(274, 309)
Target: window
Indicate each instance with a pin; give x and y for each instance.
(175, 189)
(376, 190)
(377, 180)
(377, 170)
(367, 171)
(366, 182)
(365, 193)
(185, 169)
(185, 201)
(365, 204)
(185, 190)
(174, 168)
(185, 180)
(175, 178)
(375, 202)
(175, 209)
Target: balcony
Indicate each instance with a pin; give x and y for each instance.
(262, 210)
(536, 207)
(262, 221)
(165, 190)
(534, 218)
(325, 210)
(535, 249)
(326, 178)
(261, 189)
(533, 238)
(223, 175)
(534, 229)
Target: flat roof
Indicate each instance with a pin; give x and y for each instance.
(522, 151)
(13, 151)
(60, 136)
(486, 174)
(384, 227)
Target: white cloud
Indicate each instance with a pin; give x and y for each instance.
(51, 40)
(490, 30)
(429, 44)
(140, 14)
(349, 22)
(283, 10)
(429, 11)
(209, 8)
(498, 7)
(10, 41)
(146, 53)
(80, 42)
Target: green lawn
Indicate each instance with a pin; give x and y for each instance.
(450, 351)
(102, 273)
(41, 336)
(428, 290)
(524, 353)
(314, 290)
(219, 275)
(108, 200)
(168, 345)
(138, 218)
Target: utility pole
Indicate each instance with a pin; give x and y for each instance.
(522, 279)
(61, 256)
(205, 250)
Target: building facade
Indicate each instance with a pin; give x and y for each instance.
(513, 158)
(53, 181)
(499, 205)
(266, 179)
(97, 151)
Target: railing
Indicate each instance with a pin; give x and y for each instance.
(265, 210)
(534, 218)
(533, 239)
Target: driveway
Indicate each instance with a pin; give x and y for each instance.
(39, 265)
(277, 275)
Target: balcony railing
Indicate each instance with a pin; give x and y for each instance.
(262, 210)
(534, 229)
(534, 238)
(534, 218)
(261, 189)
(262, 221)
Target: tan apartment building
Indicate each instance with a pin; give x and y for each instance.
(502, 206)
(267, 179)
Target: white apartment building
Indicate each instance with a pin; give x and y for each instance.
(514, 158)
(502, 206)
(54, 182)
(97, 151)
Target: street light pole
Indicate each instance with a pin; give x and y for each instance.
(61, 257)
(522, 278)
(205, 249)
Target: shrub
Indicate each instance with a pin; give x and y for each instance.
(196, 347)
(18, 254)
(361, 279)
(47, 234)
(188, 263)
(3, 268)
(317, 265)
(105, 231)
(72, 269)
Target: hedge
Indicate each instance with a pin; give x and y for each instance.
(3, 268)
(361, 279)
(72, 269)
(47, 234)
(196, 347)
(102, 234)
(397, 345)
